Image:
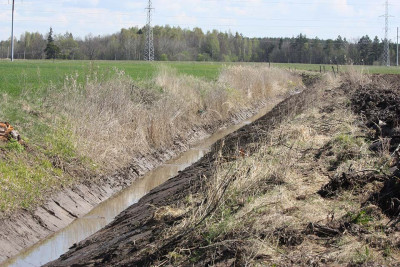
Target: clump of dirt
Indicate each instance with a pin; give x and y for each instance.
(288, 237)
(388, 199)
(380, 107)
(310, 78)
(378, 104)
(349, 182)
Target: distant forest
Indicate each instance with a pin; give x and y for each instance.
(177, 44)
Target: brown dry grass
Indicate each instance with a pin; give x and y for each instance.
(357, 76)
(256, 203)
(116, 119)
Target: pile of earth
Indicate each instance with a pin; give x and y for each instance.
(378, 104)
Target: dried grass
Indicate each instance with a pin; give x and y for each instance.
(357, 76)
(254, 199)
(115, 119)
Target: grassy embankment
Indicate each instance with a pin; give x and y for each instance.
(80, 120)
(342, 69)
(267, 207)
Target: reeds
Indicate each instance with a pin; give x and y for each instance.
(112, 120)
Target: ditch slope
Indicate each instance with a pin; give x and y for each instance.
(125, 241)
(332, 197)
(25, 228)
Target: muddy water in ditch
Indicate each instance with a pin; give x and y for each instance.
(59, 243)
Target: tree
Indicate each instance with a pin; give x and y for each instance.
(212, 46)
(51, 49)
(365, 48)
(377, 49)
(67, 45)
(300, 49)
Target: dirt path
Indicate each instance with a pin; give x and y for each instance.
(121, 241)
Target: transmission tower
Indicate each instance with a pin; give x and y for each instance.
(386, 51)
(149, 48)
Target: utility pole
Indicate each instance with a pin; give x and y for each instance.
(386, 52)
(149, 47)
(12, 32)
(397, 61)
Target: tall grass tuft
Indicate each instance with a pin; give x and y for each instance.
(114, 119)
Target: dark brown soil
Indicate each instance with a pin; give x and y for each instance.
(388, 199)
(349, 182)
(378, 104)
(128, 240)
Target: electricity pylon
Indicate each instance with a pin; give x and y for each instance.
(386, 50)
(149, 47)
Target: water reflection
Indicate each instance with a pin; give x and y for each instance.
(103, 214)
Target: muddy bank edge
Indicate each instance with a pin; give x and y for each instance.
(25, 228)
(120, 241)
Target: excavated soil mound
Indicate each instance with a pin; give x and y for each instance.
(381, 108)
(349, 182)
(378, 103)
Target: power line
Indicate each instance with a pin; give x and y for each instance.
(205, 21)
(105, 13)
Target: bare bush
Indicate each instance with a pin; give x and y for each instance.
(357, 76)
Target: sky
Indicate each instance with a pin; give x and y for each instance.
(253, 18)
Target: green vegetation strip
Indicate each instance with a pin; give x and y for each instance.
(21, 76)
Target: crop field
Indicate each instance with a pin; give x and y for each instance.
(32, 75)
(35, 74)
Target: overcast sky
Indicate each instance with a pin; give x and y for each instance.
(254, 18)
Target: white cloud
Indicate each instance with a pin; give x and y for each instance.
(322, 18)
(342, 7)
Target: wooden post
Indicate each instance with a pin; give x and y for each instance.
(333, 69)
(337, 68)
(320, 69)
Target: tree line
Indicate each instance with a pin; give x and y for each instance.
(177, 44)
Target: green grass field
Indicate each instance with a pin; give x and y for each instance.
(21, 76)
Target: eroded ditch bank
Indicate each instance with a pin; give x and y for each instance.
(273, 208)
(26, 228)
(135, 227)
